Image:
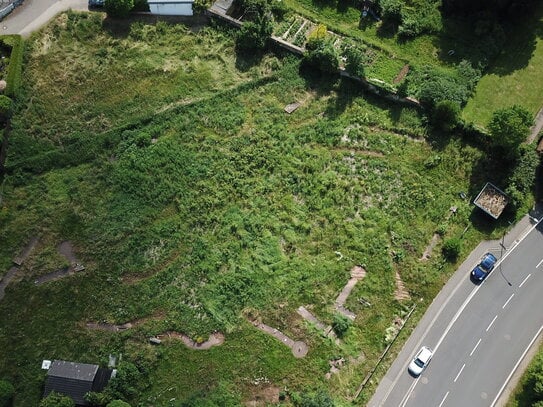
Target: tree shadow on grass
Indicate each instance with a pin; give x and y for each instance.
(387, 30)
(458, 41)
(247, 59)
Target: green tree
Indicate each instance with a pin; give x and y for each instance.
(118, 8)
(509, 127)
(6, 393)
(451, 248)
(446, 115)
(255, 34)
(55, 399)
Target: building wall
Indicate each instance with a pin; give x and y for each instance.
(175, 9)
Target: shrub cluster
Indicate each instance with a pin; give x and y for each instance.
(322, 55)
(431, 85)
(418, 17)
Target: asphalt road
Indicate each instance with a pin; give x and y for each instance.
(32, 14)
(479, 334)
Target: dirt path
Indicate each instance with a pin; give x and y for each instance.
(66, 250)
(357, 273)
(19, 260)
(215, 339)
(308, 316)
(6, 279)
(428, 251)
(299, 349)
(400, 293)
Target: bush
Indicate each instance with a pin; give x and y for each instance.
(509, 127)
(118, 403)
(341, 325)
(355, 59)
(451, 248)
(6, 393)
(322, 55)
(55, 399)
(524, 173)
(279, 9)
(424, 19)
(468, 74)
(118, 8)
(6, 107)
(125, 383)
(97, 399)
(391, 10)
(254, 35)
(313, 399)
(142, 5)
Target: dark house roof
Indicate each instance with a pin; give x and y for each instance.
(75, 380)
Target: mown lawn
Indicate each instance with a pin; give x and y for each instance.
(515, 76)
(196, 202)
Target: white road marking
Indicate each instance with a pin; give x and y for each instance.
(411, 388)
(473, 350)
(444, 398)
(539, 264)
(489, 325)
(523, 281)
(516, 366)
(507, 302)
(459, 373)
(456, 316)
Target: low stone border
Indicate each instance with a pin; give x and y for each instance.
(215, 339)
(299, 348)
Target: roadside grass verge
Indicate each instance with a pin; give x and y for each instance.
(524, 394)
(195, 217)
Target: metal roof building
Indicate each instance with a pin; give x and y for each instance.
(75, 380)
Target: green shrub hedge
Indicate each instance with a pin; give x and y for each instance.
(15, 66)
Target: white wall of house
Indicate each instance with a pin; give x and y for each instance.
(171, 8)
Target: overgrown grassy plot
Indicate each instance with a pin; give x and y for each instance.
(211, 211)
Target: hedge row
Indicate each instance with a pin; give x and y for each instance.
(15, 66)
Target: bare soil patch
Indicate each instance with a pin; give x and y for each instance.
(401, 74)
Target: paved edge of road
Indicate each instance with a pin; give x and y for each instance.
(510, 239)
(519, 371)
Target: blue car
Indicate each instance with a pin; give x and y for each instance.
(484, 268)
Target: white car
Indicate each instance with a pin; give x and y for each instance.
(419, 363)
